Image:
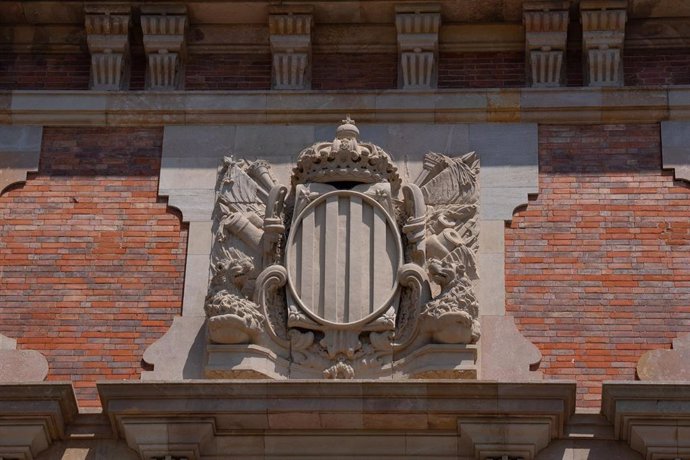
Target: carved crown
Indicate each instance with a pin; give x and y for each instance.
(345, 160)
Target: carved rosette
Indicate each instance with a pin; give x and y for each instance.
(348, 274)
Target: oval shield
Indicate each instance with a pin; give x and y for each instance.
(343, 255)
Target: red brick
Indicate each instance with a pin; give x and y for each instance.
(613, 285)
(98, 293)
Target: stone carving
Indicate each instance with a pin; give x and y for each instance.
(350, 271)
(107, 35)
(603, 34)
(546, 33)
(164, 27)
(290, 36)
(418, 26)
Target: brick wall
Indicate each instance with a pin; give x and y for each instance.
(228, 72)
(91, 261)
(657, 67)
(598, 266)
(354, 71)
(44, 71)
(481, 70)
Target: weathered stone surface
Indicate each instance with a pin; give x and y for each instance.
(675, 147)
(404, 419)
(22, 366)
(192, 154)
(500, 334)
(107, 31)
(418, 27)
(652, 418)
(7, 343)
(666, 365)
(329, 304)
(527, 105)
(178, 355)
(89, 449)
(33, 416)
(20, 147)
(603, 34)
(164, 28)
(546, 33)
(290, 29)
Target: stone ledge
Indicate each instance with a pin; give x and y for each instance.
(33, 416)
(256, 415)
(653, 418)
(544, 105)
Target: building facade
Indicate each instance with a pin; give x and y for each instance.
(256, 229)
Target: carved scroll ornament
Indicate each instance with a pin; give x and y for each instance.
(350, 272)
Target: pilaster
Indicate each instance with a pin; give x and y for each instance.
(164, 28)
(418, 27)
(290, 36)
(107, 36)
(546, 33)
(603, 34)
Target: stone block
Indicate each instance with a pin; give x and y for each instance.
(196, 284)
(499, 334)
(20, 148)
(675, 147)
(179, 354)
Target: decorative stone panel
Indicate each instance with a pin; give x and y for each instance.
(546, 33)
(418, 27)
(107, 35)
(290, 30)
(164, 30)
(603, 33)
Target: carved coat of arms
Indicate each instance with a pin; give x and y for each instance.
(347, 272)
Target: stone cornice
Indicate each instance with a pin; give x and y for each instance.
(531, 105)
(475, 417)
(33, 416)
(653, 418)
(231, 26)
